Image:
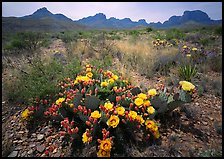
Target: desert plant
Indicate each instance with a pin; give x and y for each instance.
(187, 72)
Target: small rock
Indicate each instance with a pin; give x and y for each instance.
(210, 118)
(58, 154)
(13, 154)
(40, 137)
(32, 145)
(55, 150)
(15, 141)
(20, 132)
(30, 152)
(40, 148)
(204, 123)
(33, 134)
(23, 154)
(19, 148)
(197, 104)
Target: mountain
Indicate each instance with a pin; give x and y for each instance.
(100, 21)
(40, 20)
(44, 20)
(195, 17)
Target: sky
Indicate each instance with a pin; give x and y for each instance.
(150, 11)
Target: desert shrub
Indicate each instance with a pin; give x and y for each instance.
(215, 63)
(175, 34)
(26, 41)
(148, 29)
(218, 30)
(163, 64)
(69, 36)
(100, 108)
(39, 80)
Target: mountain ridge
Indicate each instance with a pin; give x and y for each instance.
(100, 21)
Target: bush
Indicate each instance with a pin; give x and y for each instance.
(40, 80)
(218, 30)
(175, 34)
(149, 29)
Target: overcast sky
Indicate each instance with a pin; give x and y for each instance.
(150, 11)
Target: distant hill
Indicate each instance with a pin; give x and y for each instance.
(44, 20)
(99, 21)
(40, 20)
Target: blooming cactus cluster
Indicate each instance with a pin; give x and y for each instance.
(96, 102)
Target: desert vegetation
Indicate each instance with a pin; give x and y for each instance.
(106, 93)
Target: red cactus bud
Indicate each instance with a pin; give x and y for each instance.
(126, 116)
(107, 134)
(146, 114)
(90, 139)
(85, 112)
(76, 129)
(138, 126)
(96, 90)
(129, 95)
(65, 85)
(89, 111)
(95, 120)
(123, 96)
(126, 112)
(46, 113)
(91, 129)
(98, 140)
(75, 110)
(118, 98)
(131, 105)
(88, 123)
(90, 119)
(46, 152)
(62, 133)
(115, 112)
(87, 134)
(143, 110)
(136, 108)
(83, 91)
(80, 108)
(123, 121)
(107, 115)
(72, 123)
(45, 101)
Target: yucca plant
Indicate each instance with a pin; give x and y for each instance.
(187, 72)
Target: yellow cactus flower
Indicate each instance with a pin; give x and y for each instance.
(140, 119)
(188, 55)
(60, 100)
(95, 114)
(89, 74)
(187, 86)
(103, 84)
(149, 124)
(194, 49)
(115, 88)
(88, 66)
(108, 106)
(120, 111)
(184, 47)
(105, 144)
(156, 134)
(103, 153)
(115, 77)
(113, 121)
(84, 138)
(142, 96)
(147, 103)
(88, 69)
(152, 92)
(71, 105)
(25, 114)
(138, 102)
(132, 114)
(111, 81)
(150, 110)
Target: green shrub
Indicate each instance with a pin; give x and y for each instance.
(218, 30)
(149, 29)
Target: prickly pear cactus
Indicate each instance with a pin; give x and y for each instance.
(92, 102)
